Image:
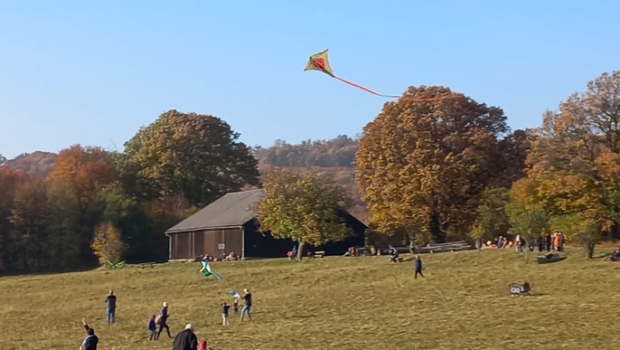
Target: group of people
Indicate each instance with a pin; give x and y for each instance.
(551, 243)
(184, 340)
(545, 242)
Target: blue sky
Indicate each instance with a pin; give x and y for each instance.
(93, 72)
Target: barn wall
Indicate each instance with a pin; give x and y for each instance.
(229, 237)
(356, 237)
(189, 245)
(180, 246)
(258, 245)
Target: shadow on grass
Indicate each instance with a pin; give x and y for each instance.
(602, 256)
(562, 258)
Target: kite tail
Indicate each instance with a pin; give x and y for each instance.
(363, 88)
(428, 99)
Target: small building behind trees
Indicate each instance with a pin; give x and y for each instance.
(229, 225)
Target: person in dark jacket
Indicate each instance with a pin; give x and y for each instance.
(418, 267)
(111, 312)
(163, 318)
(186, 339)
(90, 341)
(547, 242)
(152, 328)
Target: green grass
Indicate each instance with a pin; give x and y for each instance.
(330, 303)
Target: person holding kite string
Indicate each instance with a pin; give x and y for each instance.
(111, 309)
(91, 340)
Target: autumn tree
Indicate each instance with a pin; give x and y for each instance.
(162, 214)
(193, 155)
(303, 208)
(87, 169)
(65, 233)
(9, 249)
(510, 157)
(29, 220)
(575, 160)
(108, 244)
(492, 219)
(427, 164)
(127, 215)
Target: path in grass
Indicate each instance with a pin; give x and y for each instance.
(330, 303)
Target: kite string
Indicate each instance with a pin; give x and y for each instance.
(429, 99)
(363, 88)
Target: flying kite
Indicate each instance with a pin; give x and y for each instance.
(206, 271)
(320, 62)
(116, 266)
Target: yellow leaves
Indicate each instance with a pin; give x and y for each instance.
(428, 161)
(302, 207)
(107, 243)
(574, 161)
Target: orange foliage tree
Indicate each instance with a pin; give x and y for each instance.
(88, 168)
(574, 164)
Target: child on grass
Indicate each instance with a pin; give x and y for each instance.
(203, 345)
(236, 304)
(225, 308)
(152, 328)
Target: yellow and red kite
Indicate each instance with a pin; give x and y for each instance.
(320, 62)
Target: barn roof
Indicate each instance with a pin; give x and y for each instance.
(233, 209)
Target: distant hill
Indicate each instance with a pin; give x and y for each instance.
(35, 164)
(335, 156)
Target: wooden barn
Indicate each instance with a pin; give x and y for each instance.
(229, 225)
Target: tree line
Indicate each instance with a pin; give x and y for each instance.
(337, 152)
(453, 170)
(97, 206)
(428, 171)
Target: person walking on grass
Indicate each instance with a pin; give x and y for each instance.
(111, 308)
(247, 296)
(186, 339)
(418, 267)
(163, 318)
(91, 340)
(152, 328)
(225, 308)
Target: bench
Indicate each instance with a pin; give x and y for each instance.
(144, 265)
(319, 254)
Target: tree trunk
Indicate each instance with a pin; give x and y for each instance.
(437, 229)
(300, 250)
(590, 250)
(527, 255)
(614, 231)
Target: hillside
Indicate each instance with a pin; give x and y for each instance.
(330, 303)
(334, 157)
(36, 163)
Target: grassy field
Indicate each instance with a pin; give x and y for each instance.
(330, 303)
